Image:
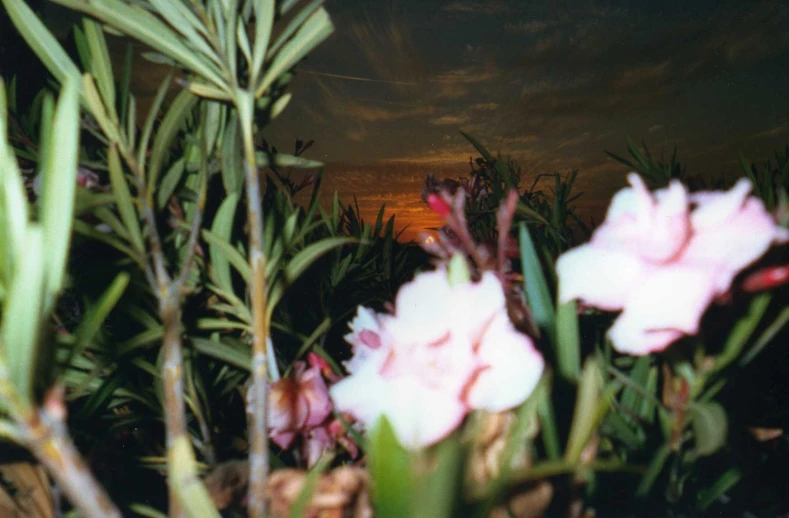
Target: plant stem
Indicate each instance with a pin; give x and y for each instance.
(186, 491)
(48, 439)
(258, 394)
(174, 412)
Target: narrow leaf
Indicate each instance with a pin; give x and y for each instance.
(123, 199)
(60, 181)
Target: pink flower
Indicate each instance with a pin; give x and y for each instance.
(297, 404)
(445, 351)
(663, 257)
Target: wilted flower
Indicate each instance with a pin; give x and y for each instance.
(342, 492)
(297, 404)
(446, 350)
(300, 408)
(663, 257)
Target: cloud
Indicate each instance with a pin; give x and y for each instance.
(485, 106)
(390, 51)
(773, 132)
(448, 155)
(573, 141)
(642, 74)
(528, 27)
(368, 113)
(476, 7)
(450, 120)
(467, 75)
(338, 101)
(357, 135)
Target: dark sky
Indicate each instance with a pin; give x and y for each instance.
(554, 84)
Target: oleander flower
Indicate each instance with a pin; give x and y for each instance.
(662, 258)
(446, 350)
(297, 404)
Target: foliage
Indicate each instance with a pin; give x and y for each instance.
(151, 285)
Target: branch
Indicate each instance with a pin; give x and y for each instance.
(257, 396)
(45, 434)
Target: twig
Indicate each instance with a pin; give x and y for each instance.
(258, 393)
(185, 487)
(44, 432)
(197, 219)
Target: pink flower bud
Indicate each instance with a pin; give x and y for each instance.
(438, 205)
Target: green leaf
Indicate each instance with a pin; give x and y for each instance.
(639, 376)
(60, 182)
(222, 228)
(285, 160)
(95, 316)
(243, 42)
(100, 398)
(319, 331)
(766, 338)
(590, 405)
(232, 354)
(458, 271)
(171, 124)
(232, 255)
(278, 107)
(98, 110)
(13, 201)
(315, 29)
(142, 339)
(438, 479)
(125, 96)
(710, 427)
(390, 469)
(742, 331)
(482, 150)
(150, 119)
(232, 158)
(147, 28)
(87, 230)
(537, 293)
(568, 345)
(170, 181)
(22, 314)
(181, 18)
(100, 65)
(123, 199)
(43, 43)
(264, 21)
(299, 263)
(653, 471)
(549, 433)
(725, 482)
(312, 253)
(213, 123)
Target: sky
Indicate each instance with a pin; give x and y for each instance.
(553, 84)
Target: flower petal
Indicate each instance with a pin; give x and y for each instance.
(667, 305)
(733, 244)
(716, 207)
(313, 390)
(511, 368)
(420, 415)
(602, 278)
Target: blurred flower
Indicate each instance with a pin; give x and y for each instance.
(297, 404)
(446, 350)
(300, 408)
(663, 257)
